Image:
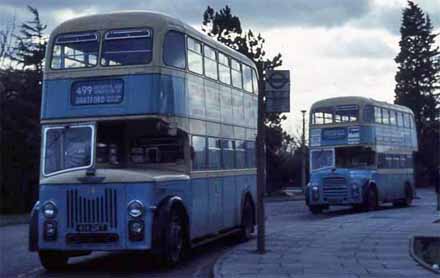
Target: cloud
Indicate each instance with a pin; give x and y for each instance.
(281, 13)
(387, 15)
(350, 43)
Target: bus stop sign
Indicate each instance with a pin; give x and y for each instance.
(277, 91)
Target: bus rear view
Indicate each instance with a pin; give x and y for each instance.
(361, 153)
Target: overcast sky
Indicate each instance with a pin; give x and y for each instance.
(332, 47)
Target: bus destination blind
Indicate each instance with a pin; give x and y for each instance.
(93, 92)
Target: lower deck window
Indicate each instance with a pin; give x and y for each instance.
(354, 157)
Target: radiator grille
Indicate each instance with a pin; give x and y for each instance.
(335, 188)
(99, 209)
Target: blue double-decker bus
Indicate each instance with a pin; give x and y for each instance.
(148, 139)
(361, 154)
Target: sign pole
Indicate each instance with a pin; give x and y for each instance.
(261, 165)
(273, 97)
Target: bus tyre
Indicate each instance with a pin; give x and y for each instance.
(247, 220)
(409, 196)
(371, 200)
(316, 209)
(53, 260)
(174, 240)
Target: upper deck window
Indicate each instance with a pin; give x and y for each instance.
(385, 116)
(127, 47)
(323, 115)
(377, 115)
(79, 50)
(210, 59)
(346, 113)
(236, 74)
(247, 78)
(195, 59)
(174, 49)
(393, 117)
(255, 81)
(224, 68)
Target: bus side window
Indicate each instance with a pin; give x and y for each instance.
(236, 74)
(381, 160)
(228, 154)
(210, 62)
(174, 50)
(250, 154)
(368, 114)
(406, 120)
(377, 115)
(198, 152)
(240, 154)
(224, 68)
(195, 59)
(411, 122)
(214, 153)
(247, 78)
(392, 117)
(399, 119)
(385, 116)
(255, 82)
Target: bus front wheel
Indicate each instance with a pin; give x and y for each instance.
(53, 260)
(371, 200)
(175, 240)
(409, 196)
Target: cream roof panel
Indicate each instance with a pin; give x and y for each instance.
(359, 100)
(128, 19)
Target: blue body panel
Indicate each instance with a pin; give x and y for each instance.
(155, 94)
(380, 135)
(213, 204)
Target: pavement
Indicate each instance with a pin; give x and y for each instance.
(340, 243)
(13, 219)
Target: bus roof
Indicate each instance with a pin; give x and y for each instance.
(359, 100)
(130, 19)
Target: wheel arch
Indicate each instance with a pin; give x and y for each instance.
(33, 228)
(160, 220)
(372, 184)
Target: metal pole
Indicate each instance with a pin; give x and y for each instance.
(261, 165)
(303, 151)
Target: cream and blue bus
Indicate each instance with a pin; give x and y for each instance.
(148, 139)
(361, 154)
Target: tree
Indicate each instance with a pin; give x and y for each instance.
(417, 87)
(226, 28)
(6, 43)
(20, 98)
(31, 43)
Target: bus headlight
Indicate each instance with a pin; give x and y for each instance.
(135, 208)
(49, 210)
(315, 192)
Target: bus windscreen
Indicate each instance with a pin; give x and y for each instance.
(67, 148)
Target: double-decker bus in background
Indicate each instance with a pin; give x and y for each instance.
(148, 139)
(361, 154)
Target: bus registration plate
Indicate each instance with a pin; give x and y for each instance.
(87, 228)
